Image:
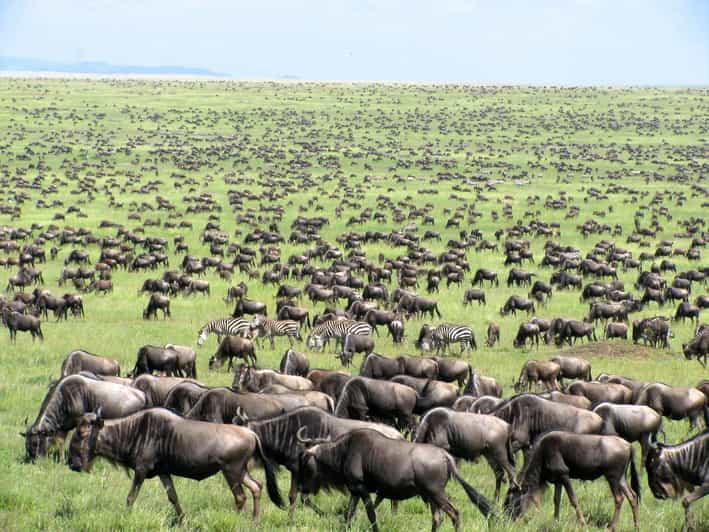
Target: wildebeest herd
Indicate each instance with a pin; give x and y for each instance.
(369, 323)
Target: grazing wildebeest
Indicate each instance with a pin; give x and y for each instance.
(675, 402)
(519, 277)
(672, 469)
(233, 347)
(515, 303)
(254, 380)
(294, 363)
(378, 317)
(197, 450)
(573, 329)
(69, 398)
(80, 360)
(156, 389)
(365, 461)
(355, 343)
(557, 457)
(531, 415)
(687, 310)
(573, 368)
(536, 372)
(630, 422)
(157, 301)
(14, 321)
(155, 358)
(485, 275)
(616, 329)
(186, 360)
(221, 405)
(467, 436)
(655, 330)
(601, 392)
(396, 331)
(474, 294)
(329, 381)
(697, 347)
(676, 294)
(527, 331)
(493, 334)
(298, 314)
(278, 438)
(453, 369)
(364, 398)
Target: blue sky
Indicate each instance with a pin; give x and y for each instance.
(544, 41)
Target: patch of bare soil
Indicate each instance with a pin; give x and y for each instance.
(612, 350)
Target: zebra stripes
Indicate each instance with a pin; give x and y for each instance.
(272, 328)
(446, 334)
(225, 327)
(337, 329)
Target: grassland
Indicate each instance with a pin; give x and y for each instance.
(392, 140)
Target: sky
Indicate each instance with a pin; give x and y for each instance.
(572, 42)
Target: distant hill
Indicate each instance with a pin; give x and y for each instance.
(23, 64)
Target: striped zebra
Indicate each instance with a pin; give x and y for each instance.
(337, 329)
(260, 326)
(445, 334)
(225, 327)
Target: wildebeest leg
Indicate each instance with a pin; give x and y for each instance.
(351, 507)
(172, 494)
(632, 500)
(292, 496)
(557, 500)
(310, 504)
(234, 480)
(371, 513)
(497, 470)
(441, 502)
(138, 479)
(435, 517)
(572, 497)
(618, 500)
(696, 494)
(254, 487)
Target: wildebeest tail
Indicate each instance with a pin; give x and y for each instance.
(477, 499)
(271, 484)
(435, 307)
(510, 451)
(634, 480)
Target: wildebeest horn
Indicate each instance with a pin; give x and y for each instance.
(26, 421)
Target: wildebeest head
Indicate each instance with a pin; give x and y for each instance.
(310, 479)
(35, 442)
(82, 448)
(660, 477)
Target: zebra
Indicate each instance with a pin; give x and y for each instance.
(270, 328)
(338, 329)
(445, 334)
(225, 327)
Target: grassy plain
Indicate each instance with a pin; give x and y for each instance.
(532, 141)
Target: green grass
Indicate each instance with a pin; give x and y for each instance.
(553, 139)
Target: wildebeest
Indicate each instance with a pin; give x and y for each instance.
(573, 368)
(675, 402)
(254, 380)
(615, 329)
(474, 294)
(156, 389)
(396, 331)
(14, 321)
(155, 358)
(485, 275)
(515, 303)
(697, 347)
(184, 395)
(157, 301)
(467, 436)
(68, 399)
(687, 310)
(80, 360)
(573, 329)
(370, 399)
(557, 457)
(221, 405)
(655, 330)
(299, 314)
(453, 369)
(536, 372)
(601, 392)
(672, 469)
(186, 360)
(527, 331)
(233, 347)
(197, 450)
(531, 415)
(431, 393)
(479, 385)
(355, 343)
(294, 363)
(278, 438)
(630, 422)
(247, 306)
(493, 334)
(365, 461)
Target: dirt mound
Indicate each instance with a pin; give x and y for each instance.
(612, 349)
